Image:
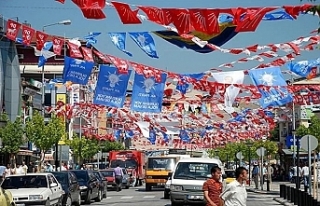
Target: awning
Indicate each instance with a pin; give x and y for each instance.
(23, 152)
(34, 69)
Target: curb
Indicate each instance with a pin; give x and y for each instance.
(263, 192)
(282, 201)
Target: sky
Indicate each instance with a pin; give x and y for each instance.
(172, 58)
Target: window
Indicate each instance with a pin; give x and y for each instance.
(193, 170)
(161, 163)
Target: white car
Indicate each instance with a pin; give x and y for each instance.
(34, 189)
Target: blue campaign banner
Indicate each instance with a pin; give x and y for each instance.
(77, 71)
(111, 87)
(147, 94)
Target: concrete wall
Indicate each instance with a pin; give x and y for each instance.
(10, 91)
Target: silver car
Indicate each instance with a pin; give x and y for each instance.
(126, 180)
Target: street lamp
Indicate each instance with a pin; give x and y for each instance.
(63, 22)
(249, 145)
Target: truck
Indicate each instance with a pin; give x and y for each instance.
(133, 161)
(158, 168)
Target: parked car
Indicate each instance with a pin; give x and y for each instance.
(89, 186)
(102, 182)
(70, 186)
(109, 176)
(6, 198)
(34, 189)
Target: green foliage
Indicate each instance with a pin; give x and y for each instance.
(313, 129)
(107, 146)
(231, 149)
(43, 135)
(315, 10)
(274, 134)
(83, 148)
(12, 135)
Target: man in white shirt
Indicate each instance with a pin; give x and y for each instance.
(235, 193)
(305, 175)
(296, 173)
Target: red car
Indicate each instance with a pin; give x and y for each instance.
(111, 182)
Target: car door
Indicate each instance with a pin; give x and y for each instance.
(94, 183)
(56, 190)
(74, 186)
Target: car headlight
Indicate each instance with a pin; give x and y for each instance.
(83, 187)
(35, 197)
(176, 187)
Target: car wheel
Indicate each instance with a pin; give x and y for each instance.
(127, 186)
(166, 195)
(78, 203)
(99, 198)
(68, 201)
(88, 199)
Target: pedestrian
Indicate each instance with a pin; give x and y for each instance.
(255, 175)
(235, 192)
(24, 167)
(9, 171)
(31, 168)
(305, 175)
(212, 188)
(118, 175)
(2, 173)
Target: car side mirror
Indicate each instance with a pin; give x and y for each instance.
(224, 176)
(170, 174)
(53, 185)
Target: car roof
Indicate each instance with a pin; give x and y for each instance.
(201, 160)
(32, 174)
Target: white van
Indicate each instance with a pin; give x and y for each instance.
(188, 178)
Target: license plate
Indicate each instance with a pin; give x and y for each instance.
(195, 197)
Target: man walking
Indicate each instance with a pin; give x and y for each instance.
(118, 175)
(212, 188)
(235, 192)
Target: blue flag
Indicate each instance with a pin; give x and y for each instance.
(119, 40)
(184, 136)
(147, 94)
(111, 87)
(44, 54)
(278, 15)
(91, 38)
(303, 68)
(145, 41)
(272, 96)
(152, 136)
(117, 134)
(77, 71)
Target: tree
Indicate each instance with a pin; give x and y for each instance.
(107, 146)
(83, 148)
(43, 135)
(12, 136)
(313, 129)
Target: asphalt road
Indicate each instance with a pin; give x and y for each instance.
(138, 196)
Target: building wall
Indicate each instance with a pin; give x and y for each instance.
(9, 78)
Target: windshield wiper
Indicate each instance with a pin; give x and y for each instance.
(185, 176)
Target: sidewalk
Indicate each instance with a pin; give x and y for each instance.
(274, 188)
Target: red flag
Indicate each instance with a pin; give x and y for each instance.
(61, 1)
(87, 54)
(74, 51)
(27, 34)
(12, 29)
(92, 9)
(57, 45)
(41, 39)
(125, 13)
(121, 64)
(102, 57)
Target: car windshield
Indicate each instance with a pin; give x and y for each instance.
(161, 163)
(130, 164)
(193, 170)
(115, 163)
(82, 176)
(26, 181)
(107, 173)
(62, 177)
(230, 174)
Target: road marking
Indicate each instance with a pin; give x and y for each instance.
(149, 197)
(127, 197)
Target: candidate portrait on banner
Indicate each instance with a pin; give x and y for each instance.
(231, 92)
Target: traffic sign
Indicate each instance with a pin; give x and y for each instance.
(309, 141)
(261, 151)
(239, 156)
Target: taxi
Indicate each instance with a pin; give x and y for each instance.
(231, 176)
(6, 198)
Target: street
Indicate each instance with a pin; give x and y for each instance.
(138, 196)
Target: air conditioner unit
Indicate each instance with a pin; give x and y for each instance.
(20, 56)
